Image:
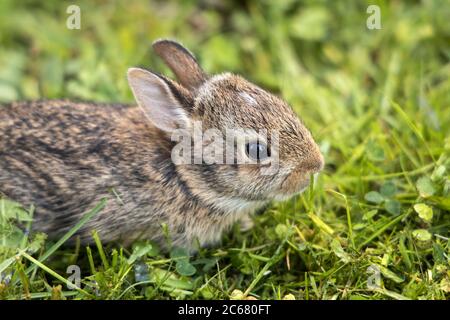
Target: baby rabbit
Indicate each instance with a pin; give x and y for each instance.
(64, 157)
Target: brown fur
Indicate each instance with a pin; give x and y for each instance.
(64, 156)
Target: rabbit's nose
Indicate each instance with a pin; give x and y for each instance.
(313, 164)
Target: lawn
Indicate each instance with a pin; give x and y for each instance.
(375, 224)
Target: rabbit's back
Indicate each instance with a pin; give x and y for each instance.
(63, 157)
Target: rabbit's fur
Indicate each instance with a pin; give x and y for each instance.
(63, 157)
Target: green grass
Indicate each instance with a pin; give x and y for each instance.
(377, 101)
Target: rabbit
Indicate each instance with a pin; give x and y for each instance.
(63, 157)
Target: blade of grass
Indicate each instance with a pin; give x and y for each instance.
(386, 176)
(90, 259)
(42, 295)
(413, 128)
(99, 245)
(349, 218)
(320, 224)
(27, 228)
(383, 228)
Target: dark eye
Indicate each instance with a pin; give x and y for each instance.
(257, 150)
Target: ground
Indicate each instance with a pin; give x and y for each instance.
(375, 225)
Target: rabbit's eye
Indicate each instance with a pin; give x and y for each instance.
(257, 150)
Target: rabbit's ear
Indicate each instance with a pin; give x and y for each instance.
(181, 62)
(159, 99)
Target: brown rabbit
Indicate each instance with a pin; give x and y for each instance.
(65, 156)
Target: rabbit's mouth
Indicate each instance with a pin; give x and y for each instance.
(295, 182)
(290, 186)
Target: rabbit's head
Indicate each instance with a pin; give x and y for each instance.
(274, 154)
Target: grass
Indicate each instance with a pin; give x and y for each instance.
(377, 101)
